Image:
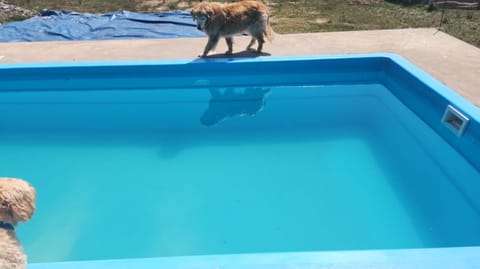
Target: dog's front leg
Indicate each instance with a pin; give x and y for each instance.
(211, 44)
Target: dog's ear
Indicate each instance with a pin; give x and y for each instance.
(209, 11)
(17, 200)
(23, 205)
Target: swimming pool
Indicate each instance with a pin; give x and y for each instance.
(324, 161)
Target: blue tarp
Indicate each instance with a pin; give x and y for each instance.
(64, 25)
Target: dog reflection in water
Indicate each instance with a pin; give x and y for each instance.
(231, 103)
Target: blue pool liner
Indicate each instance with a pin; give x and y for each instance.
(52, 25)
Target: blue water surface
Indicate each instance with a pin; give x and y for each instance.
(150, 173)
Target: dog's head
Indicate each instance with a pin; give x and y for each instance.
(201, 14)
(17, 200)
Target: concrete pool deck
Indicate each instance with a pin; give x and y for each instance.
(450, 60)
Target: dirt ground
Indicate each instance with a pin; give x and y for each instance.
(163, 5)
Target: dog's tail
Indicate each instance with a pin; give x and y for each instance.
(269, 34)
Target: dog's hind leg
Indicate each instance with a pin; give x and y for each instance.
(229, 44)
(211, 44)
(260, 41)
(252, 42)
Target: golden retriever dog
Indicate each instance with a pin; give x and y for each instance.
(226, 20)
(17, 203)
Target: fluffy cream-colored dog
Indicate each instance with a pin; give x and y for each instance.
(226, 20)
(17, 203)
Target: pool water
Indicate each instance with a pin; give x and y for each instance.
(194, 171)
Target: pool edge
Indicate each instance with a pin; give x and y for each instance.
(438, 258)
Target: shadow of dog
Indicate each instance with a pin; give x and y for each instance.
(231, 103)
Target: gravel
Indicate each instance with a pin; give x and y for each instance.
(10, 12)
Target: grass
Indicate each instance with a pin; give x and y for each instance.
(296, 16)
(292, 16)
